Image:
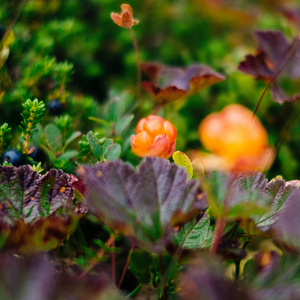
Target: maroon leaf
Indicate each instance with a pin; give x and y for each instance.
(178, 83)
(292, 14)
(144, 204)
(272, 53)
(36, 212)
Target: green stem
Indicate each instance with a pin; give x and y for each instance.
(164, 295)
(237, 269)
(133, 292)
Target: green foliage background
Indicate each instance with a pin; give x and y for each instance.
(71, 50)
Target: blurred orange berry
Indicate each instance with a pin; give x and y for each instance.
(124, 20)
(155, 137)
(239, 140)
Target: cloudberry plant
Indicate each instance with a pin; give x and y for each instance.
(155, 137)
(126, 20)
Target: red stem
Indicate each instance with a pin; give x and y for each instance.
(136, 49)
(126, 266)
(217, 236)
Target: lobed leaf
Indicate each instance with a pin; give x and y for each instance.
(176, 83)
(273, 49)
(36, 211)
(144, 204)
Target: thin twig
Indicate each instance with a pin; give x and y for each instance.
(281, 66)
(126, 265)
(136, 49)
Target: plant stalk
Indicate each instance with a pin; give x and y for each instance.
(126, 265)
(165, 295)
(136, 49)
(217, 236)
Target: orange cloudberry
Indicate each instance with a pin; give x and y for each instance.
(126, 19)
(237, 140)
(155, 137)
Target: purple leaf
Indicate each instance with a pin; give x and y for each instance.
(204, 279)
(36, 278)
(272, 52)
(176, 83)
(33, 206)
(145, 203)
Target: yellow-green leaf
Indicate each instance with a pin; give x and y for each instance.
(182, 160)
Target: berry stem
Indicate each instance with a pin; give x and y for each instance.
(126, 265)
(135, 45)
(217, 236)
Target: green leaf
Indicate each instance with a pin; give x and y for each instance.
(8, 39)
(122, 123)
(107, 145)
(114, 152)
(100, 121)
(114, 110)
(94, 144)
(182, 160)
(196, 234)
(170, 266)
(237, 195)
(73, 137)
(51, 155)
(69, 154)
(140, 263)
(53, 138)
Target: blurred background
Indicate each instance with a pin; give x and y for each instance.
(71, 49)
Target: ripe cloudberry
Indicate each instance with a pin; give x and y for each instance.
(239, 140)
(155, 137)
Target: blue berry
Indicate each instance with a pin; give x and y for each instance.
(55, 108)
(38, 155)
(13, 157)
